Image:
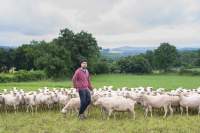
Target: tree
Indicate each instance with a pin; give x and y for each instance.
(198, 52)
(24, 57)
(134, 64)
(149, 55)
(102, 66)
(165, 56)
(55, 61)
(197, 62)
(59, 57)
(6, 59)
(80, 45)
(2, 59)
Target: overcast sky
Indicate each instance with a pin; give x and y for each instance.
(113, 23)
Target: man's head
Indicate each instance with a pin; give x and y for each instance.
(83, 64)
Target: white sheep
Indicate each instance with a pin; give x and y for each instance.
(12, 99)
(157, 101)
(191, 101)
(30, 100)
(72, 105)
(116, 104)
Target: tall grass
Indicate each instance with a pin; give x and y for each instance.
(54, 122)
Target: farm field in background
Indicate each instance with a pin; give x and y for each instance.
(168, 81)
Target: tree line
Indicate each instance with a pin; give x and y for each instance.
(165, 58)
(61, 56)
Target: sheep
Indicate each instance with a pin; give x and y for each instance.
(116, 104)
(157, 101)
(53, 100)
(134, 96)
(147, 97)
(63, 99)
(43, 99)
(1, 100)
(72, 105)
(192, 101)
(12, 99)
(30, 101)
(175, 100)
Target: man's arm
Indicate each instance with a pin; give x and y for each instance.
(74, 79)
(89, 83)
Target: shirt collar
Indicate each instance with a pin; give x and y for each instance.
(84, 70)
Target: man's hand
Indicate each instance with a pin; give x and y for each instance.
(91, 91)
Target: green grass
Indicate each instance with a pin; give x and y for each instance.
(54, 122)
(169, 81)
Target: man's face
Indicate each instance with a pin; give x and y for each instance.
(84, 64)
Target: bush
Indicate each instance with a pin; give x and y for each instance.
(189, 72)
(23, 75)
(114, 68)
(5, 78)
(101, 67)
(134, 64)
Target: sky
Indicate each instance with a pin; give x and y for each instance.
(114, 23)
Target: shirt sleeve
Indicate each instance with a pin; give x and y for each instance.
(74, 78)
(89, 83)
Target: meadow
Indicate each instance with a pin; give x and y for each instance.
(54, 122)
(168, 81)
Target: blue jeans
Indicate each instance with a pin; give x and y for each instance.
(85, 100)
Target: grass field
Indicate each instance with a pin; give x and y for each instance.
(169, 81)
(54, 122)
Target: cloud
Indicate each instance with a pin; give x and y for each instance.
(113, 22)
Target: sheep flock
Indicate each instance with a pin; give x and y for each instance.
(107, 99)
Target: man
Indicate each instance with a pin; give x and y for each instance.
(81, 81)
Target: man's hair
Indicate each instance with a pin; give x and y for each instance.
(84, 60)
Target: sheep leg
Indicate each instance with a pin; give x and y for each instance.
(27, 108)
(165, 109)
(114, 114)
(15, 108)
(133, 113)
(6, 109)
(187, 110)
(171, 110)
(36, 108)
(146, 112)
(150, 109)
(32, 109)
(77, 111)
(198, 111)
(104, 113)
(101, 111)
(181, 109)
(109, 113)
(48, 107)
(59, 106)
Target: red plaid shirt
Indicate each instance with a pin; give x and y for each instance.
(81, 79)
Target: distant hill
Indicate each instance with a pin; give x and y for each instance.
(126, 50)
(188, 49)
(6, 47)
